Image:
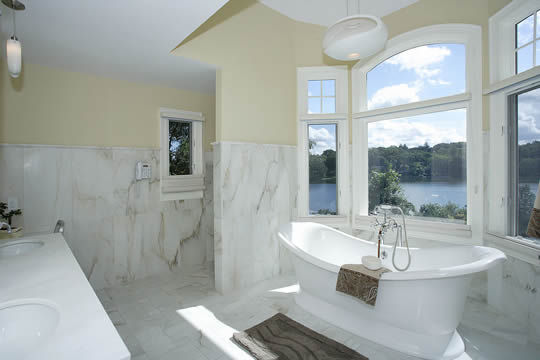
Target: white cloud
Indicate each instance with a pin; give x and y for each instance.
(323, 140)
(395, 95)
(438, 82)
(421, 59)
(529, 117)
(413, 134)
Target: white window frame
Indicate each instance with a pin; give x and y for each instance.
(505, 83)
(502, 34)
(181, 187)
(341, 119)
(471, 100)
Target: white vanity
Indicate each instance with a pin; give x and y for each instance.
(48, 310)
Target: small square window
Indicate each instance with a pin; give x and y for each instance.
(321, 96)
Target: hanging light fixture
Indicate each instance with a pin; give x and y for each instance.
(355, 37)
(13, 45)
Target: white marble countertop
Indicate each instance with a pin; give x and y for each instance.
(52, 273)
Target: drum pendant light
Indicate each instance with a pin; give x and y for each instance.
(13, 45)
(355, 37)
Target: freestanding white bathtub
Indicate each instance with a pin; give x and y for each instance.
(417, 311)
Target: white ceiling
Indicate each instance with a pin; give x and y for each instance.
(327, 12)
(124, 39)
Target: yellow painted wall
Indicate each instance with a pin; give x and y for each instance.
(256, 85)
(51, 106)
(258, 50)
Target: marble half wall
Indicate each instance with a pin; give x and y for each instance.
(118, 229)
(254, 194)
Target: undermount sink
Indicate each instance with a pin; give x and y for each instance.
(24, 325)
(18, 247)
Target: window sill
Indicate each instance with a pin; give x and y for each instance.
(182, 187)
(512, 80)
(515, 247)
(329, 220)
(425, 229)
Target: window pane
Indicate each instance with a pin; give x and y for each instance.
(524, 58)
(528, 140)
(322, 169)
(329, 105)
(419, 164)
(179, 147)
(314, 88)
(422, 73)
(525, 31)
(314, 105)
(537, 24)
(538, 53)
(329, 88)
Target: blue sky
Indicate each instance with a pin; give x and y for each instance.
(324, 137)
(421, 73)
(529, 116)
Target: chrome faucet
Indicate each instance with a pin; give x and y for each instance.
(389, 223)
(2, 224)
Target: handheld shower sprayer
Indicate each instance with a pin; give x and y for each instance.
(401, 231)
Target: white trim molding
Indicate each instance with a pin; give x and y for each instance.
(470, 100)
(340, 118)
(502, 60)
(181, 187)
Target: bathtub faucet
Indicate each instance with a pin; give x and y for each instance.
(389, 223)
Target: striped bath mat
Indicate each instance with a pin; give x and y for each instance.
(281, 338)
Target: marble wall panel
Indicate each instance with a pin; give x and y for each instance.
(254, 193)
(117, 228)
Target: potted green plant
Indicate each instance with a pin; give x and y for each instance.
(7, 216)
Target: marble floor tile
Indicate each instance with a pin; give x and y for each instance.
(179, 315)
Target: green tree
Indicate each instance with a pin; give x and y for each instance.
(317, 169)
(179, 148)
(330, 163)
(384, 188)
(448, 211)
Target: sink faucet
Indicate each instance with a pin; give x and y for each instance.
(2, 224)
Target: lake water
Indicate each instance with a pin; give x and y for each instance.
(323, 196)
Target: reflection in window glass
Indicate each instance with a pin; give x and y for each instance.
(528, 148)
(422, 73)
(524, 58)
(525, 31)
(322, 169)
(419, 164)
(180, 147)
(321, 96)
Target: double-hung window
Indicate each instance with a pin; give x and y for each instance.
(417, 126)
(181, 161)
(514, 137)
(323, 144)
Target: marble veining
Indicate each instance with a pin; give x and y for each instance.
(151, 317)
(254, 193)
(117, 228)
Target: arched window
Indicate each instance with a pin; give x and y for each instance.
(417, 124)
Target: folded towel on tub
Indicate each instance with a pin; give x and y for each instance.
(358, 281)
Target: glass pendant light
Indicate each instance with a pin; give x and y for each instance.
(13, 45)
